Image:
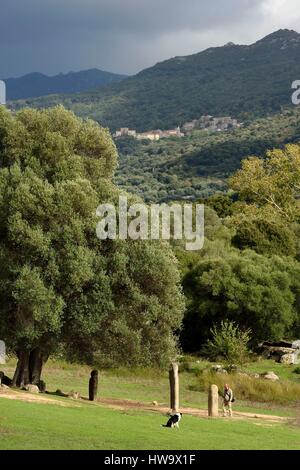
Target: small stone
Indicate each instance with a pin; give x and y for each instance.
(4, 387)
(74, 395)
(32, 388)
(255, 376)
(243, 374)
(288, 359)
(154, 403)
(218, 369)
(270, 376)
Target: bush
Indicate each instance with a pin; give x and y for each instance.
(228, 342)
(249, 388)
(297, 370)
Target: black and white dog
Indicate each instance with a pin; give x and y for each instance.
(173, 422)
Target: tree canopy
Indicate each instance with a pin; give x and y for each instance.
(258, 293)
(272, 183)
(105, 301)
(248, 271)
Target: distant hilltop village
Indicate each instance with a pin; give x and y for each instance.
(214, 124)
(150, 135)
(209, 123)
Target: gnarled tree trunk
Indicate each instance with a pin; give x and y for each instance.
(29, 368)
(36, 360)
(21, 376)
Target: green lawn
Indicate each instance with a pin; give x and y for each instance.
(82, 425)
(38, 426)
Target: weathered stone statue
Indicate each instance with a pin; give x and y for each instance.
(93, 385)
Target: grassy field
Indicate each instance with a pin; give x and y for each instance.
(88, 426)
(152, 385)
(84, 425)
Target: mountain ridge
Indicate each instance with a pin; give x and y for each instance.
(244, 81)
(36, 84)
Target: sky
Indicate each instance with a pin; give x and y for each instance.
(126, 36)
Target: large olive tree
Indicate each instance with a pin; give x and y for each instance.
(105, 301)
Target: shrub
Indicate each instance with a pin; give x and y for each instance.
(228, 342)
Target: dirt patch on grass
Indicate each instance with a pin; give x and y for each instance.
(134, 405)
(32, 398)
(126, 405)
(4, 430)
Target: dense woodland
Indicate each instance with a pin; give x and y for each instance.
(135, 302)
(249, 270)
(198, 165)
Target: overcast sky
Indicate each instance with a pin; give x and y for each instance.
(125, 36)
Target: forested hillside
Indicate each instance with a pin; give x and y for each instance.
(238, 80)
(199, 165)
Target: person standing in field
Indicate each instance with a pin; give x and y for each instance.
(228, 400)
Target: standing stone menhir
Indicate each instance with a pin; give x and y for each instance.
(174, 387)
(93, 385)
(213, 401)
(2, 352)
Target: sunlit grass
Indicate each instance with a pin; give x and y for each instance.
(39, 426)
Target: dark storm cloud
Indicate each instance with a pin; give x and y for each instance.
(125, 35)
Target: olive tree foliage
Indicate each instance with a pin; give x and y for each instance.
(105, 301)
